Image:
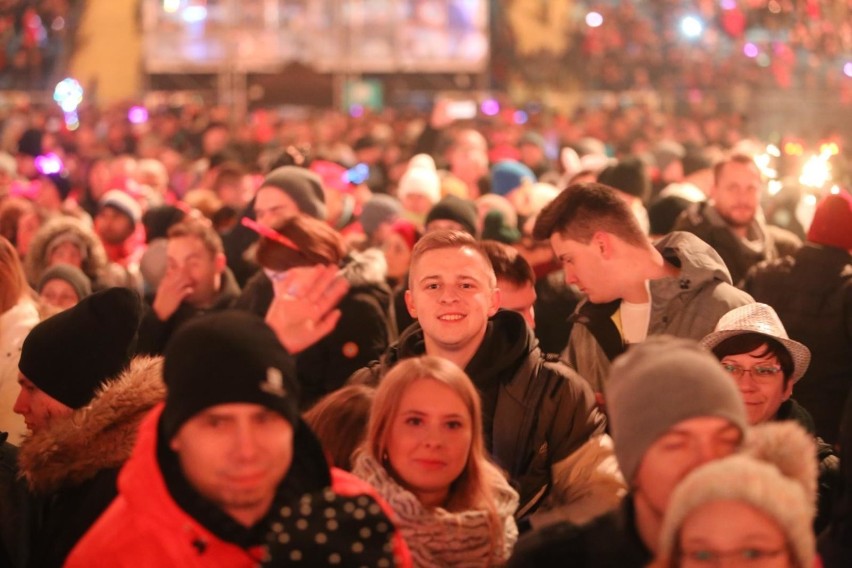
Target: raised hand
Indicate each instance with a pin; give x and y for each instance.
(173, 289)
(303, 310)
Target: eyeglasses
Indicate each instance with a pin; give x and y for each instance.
(742, 556)
(760, 373)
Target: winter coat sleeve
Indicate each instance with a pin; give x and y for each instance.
(585, 479)
(154, 333)
(586, 484)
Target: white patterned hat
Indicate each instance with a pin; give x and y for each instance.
(762, 319)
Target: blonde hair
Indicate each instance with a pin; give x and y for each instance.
(13, 283)
(473, 487)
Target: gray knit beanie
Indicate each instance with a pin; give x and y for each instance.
(381, 208)
(658, 383)
(75, 277)
(302, 185)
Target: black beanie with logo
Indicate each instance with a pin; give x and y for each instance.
(226, 357)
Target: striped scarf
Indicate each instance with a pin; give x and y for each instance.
(440, 538)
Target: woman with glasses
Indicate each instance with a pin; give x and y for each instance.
(754, 348)
(753, 509)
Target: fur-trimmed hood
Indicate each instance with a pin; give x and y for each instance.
(101, 435)
(367, 268)
(36, 260)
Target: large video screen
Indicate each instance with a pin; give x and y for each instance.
(347, 36)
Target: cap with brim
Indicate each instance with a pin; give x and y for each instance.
(761, 319)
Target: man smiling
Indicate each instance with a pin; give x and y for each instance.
(536, 411)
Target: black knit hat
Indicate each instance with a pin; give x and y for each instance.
(30, 142)
(630, 176)
(158, 221)
(70, 355)
(456, 209)
(303, 186)
(222, 358)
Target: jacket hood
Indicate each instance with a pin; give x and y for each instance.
(36, 259)
(698, 261)
(507, 340)
(74, 448)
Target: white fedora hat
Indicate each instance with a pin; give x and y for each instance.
(761, 319)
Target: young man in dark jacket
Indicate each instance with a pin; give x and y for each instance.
(731, 220)
(82, 399)
(196, 282)
(537, 412)
(672, 408)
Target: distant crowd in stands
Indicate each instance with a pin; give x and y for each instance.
(34, 38)
(641, 45)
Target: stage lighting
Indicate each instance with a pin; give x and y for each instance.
(691, 27)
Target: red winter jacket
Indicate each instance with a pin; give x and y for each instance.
(144, 527)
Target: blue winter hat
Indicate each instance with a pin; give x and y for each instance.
(508, 175)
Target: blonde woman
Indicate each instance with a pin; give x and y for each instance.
(18, 315)
(424, 452)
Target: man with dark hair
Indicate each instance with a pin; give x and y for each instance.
(515, 279)
(634, 288)
(537, 412)
(732, 222)
(196, 282)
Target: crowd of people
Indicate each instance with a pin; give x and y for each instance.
(411, 341)
(33, 38)
(759, 44)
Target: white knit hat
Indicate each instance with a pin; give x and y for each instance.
(776, 473)
(122, 201)
(761, 319)
(420, 180)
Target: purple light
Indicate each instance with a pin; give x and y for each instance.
(137, 115)
(48, 164)
(847, 69)
(728, 4)
(490, 107)
(750, 50)
(520, 117)
(356, 111)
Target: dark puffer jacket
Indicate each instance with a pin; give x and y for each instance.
(536, 410)
(812, 293)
